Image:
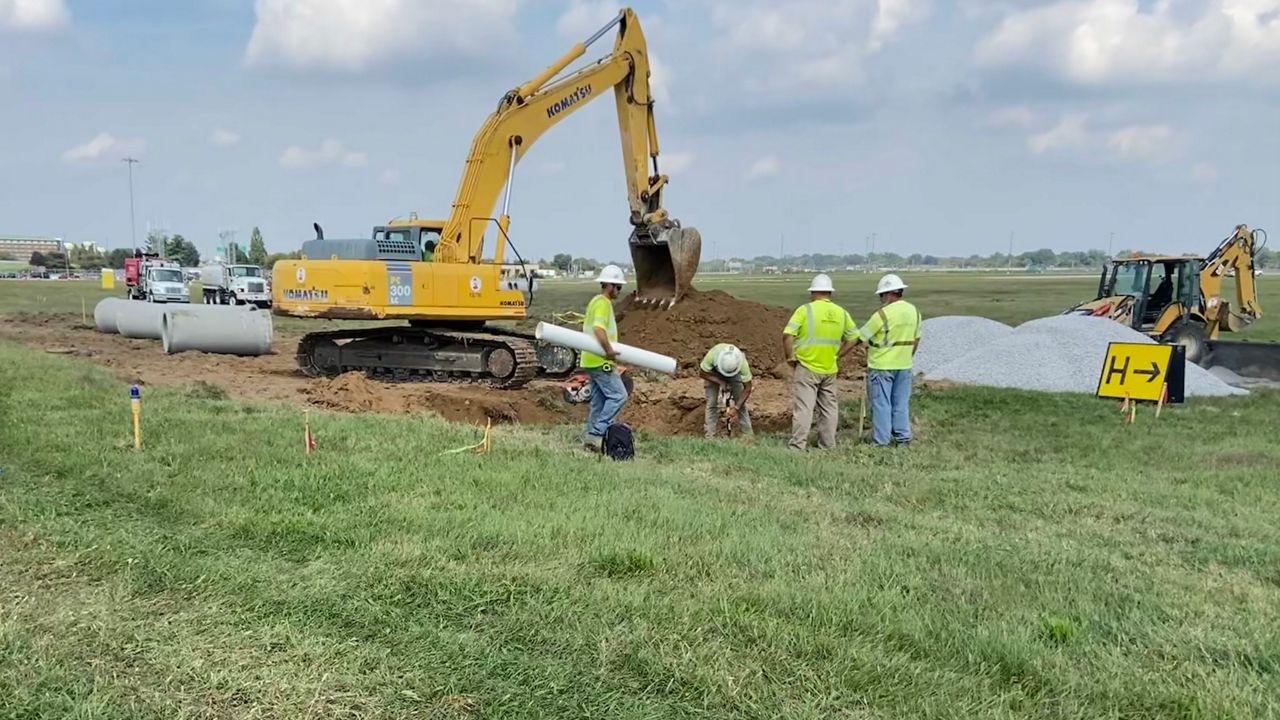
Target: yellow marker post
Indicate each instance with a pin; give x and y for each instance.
(1143, 371)
(108, 279)
(135, 403)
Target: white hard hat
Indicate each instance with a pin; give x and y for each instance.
(729, 362)
(612, 274)
(821, 283)
(890, 283)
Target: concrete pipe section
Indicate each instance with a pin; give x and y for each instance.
(224, 329)
(138, 319)
(104, 314)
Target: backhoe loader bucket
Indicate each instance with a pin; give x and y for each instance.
(665, 263)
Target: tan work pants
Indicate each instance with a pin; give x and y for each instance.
(810, 391)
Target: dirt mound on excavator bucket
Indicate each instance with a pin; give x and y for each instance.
(706, 317)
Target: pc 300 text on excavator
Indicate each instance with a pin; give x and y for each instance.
(435, 273)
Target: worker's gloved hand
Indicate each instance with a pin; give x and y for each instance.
(732, 413)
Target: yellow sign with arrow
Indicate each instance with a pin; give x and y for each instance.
(1143, 371)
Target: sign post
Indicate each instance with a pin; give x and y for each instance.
(1143, 371)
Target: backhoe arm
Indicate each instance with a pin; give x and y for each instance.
(528, 111)
(1236, 253)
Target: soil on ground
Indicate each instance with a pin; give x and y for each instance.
(706, 317)
(659, 404)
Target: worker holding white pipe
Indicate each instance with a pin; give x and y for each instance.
(608, 394)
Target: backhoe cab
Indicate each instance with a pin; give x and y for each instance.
(1180, 299)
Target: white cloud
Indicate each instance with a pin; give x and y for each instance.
(1073, 136)
(807, 46)
(1098, 42)
(1144, 143)
(104, 146)
(355, 36)
(1069, 134)
(675, 163)
(33, 15)
(331, 152)
(1017, 116)
(585, 17)
(764, 167)
(891, 15)
(1204, 173)
(224, 138)
(389, 177)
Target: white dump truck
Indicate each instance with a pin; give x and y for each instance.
(235, 285)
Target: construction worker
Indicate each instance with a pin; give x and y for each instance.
(608, 394)
(725, 369)
(892, 335)
(818, 334)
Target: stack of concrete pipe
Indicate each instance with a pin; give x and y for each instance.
(225, 329)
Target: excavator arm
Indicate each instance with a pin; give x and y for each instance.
(1236, 254)
(665, 254)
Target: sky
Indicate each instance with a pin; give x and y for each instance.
(946, 128)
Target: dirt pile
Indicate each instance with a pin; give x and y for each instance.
(678, 406)
(707, 317)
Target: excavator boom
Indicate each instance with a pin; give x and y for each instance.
(665, 254)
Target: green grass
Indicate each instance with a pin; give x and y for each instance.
(1028, 557)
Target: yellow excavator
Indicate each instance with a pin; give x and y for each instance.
(435, 273)
(1179, 299)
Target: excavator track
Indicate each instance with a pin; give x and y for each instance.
(497, 358)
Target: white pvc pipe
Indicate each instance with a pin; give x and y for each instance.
(222, 329)
(627, 354)
(104, 314)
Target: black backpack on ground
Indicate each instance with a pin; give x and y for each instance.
(618, 442)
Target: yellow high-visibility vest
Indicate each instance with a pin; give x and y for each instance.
(819, 327)
(599, 315)
(891, 333)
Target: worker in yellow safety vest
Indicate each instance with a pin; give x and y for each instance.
(725, 372)
(819, 333)
(892, 336)
(608, 393)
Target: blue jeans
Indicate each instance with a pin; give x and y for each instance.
(890, 395)
(608, 395)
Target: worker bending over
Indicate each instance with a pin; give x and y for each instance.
(725, 370)
(819, 333)
(608, 394)
(892, 335)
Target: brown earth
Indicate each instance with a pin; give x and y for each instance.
(663, 405)
(706, 317)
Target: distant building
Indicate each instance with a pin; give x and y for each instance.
(21, 246)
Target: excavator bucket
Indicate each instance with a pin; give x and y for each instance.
(665, 264)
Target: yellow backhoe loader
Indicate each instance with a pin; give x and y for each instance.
(437, 275)
(1180, 299)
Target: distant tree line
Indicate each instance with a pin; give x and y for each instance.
(1042, 258)
(173, 247)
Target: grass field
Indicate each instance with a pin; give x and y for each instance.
(1028, 557)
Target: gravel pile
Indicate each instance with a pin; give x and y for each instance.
(1060, 353)
(943, 339)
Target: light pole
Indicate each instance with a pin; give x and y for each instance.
(133, 229)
